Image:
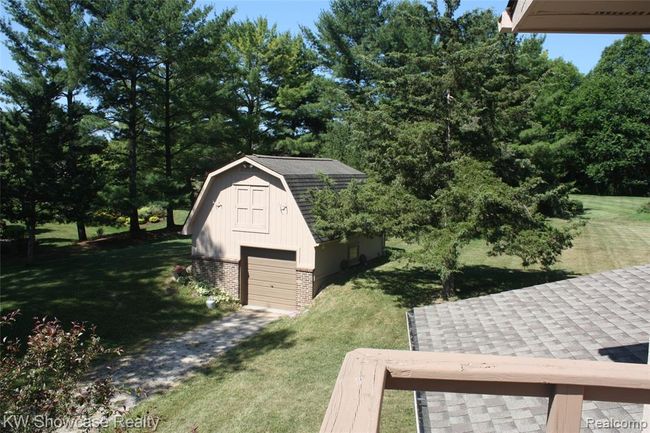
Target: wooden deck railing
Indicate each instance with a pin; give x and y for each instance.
(355, 404)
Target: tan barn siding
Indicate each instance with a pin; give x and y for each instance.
(214, 234)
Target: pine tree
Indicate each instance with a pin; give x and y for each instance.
(31, 151)
(128, 35)
(189, 56)
(60, 35)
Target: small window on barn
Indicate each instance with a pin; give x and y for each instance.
(252, 208)
(353, 253)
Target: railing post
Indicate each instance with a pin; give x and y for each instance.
(565, 409)
(355, 405)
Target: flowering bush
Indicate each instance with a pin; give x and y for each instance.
(222, 298)
(151, 210)
(179, 274)
(204, 289)
(201, 288)
(42, 378)
(105, 217)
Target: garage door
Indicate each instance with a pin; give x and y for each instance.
(271, 278)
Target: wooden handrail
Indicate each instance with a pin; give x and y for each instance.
(355, 405)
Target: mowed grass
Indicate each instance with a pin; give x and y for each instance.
(281, 380)
(59, 235)
(616, 236)
(121, 287)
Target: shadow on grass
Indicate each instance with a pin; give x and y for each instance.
(411, 286)
(237, 358)
(478, 280)
(49, 247)
(414, 285)
(120, 290)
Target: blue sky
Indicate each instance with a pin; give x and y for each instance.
(583, 50)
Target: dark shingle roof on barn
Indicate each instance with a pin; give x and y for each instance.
(306, 174)
(297, 166)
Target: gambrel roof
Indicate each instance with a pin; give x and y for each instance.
(299, 176)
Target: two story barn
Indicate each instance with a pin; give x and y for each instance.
(253, 230)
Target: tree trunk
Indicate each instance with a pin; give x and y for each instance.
(168, 150)
(30, 225)
(81, 225)
(448, 286)
(134, 226)
(251, 113)
(81, 231)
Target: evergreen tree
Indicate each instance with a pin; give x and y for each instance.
(345, 38)
(63, 35)
(438, 125)
(279, 102)
(31, 150)
(128, 35)
(189, 57)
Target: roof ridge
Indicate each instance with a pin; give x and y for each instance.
(292, 157)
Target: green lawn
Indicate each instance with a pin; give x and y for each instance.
(281, 380)
(119, 286)
(58, 235)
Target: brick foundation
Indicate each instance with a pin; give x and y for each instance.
(222, 274)
(304, 288)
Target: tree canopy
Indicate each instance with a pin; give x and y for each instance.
(119, 104)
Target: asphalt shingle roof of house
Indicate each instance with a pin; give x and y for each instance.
(305, 174)
(600, 317)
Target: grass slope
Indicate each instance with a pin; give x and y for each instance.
(616, 236)
(282, 379)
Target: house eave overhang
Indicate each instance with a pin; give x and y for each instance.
(576, 16)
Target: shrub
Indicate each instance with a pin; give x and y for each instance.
(557, 203)
(201, 288)
(204, 289)
(141, 220)
(14, 232)
(222, 298)
(123, 220)
(100, 232)
(645, 208)
(43, 377)
(153, 219)
(105, 218)
(151, 210)
(179, 273)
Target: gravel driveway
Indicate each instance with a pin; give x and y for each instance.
(166, 362)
